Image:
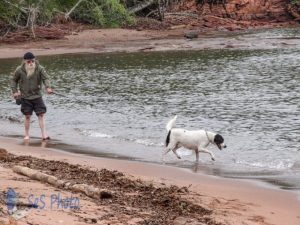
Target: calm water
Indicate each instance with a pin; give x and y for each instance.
(117, 105)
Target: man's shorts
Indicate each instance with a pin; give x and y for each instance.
(37, 105)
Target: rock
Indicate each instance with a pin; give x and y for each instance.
(3, 154)
(183, 221)
(222, 29)
(191, 34)
(105, 194)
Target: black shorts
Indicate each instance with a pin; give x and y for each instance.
(37, 105)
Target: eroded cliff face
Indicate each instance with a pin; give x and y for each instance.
(258, 9)
(239, 9)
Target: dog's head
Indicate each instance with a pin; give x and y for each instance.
(219, 141)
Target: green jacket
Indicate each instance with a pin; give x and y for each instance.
(30, 87)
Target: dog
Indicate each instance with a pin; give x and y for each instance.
(196, 140)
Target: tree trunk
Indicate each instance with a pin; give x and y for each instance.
(141, 6)
(160, 10)
(31, 20)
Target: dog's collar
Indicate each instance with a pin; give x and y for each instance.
(207, 136)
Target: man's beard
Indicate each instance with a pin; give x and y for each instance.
(30, 68)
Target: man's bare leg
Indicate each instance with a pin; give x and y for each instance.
(42, 125)
(27, 126)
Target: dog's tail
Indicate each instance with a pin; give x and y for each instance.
(169, 126)
(171, 123)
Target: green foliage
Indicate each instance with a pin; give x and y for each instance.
(66, 4)
(295, 2)
(104, 13)
(9, 14)
(48, 9)
(89, 12)
(117, 14)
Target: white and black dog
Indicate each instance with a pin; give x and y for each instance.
(196, 140)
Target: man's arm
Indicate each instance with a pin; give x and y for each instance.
(14, 81)
(45, 79)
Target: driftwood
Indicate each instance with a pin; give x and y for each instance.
(141, 6)
(88, 190)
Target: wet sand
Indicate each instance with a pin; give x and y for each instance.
(230, 201)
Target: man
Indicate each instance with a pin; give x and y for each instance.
(28, 78)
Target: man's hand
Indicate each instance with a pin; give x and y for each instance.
(16, 95)
(49, 90)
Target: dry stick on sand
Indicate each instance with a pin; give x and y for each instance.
(88, 190)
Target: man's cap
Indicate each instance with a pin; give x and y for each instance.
(28, 55)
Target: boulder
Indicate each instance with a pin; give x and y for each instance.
(191, 34)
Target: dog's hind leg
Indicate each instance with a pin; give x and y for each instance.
(175, 152)
(174, 149)
(205, 151)
(167, 149)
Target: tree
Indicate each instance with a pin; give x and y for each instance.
(30, 13)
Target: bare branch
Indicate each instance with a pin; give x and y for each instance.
(67, 15)
(17, 7)
(141, 6)
(184, 14)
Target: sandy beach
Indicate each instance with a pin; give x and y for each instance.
(126, 40)
(226, 201)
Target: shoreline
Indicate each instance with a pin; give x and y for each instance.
(129, 41)
(267, 205)
(269, 178)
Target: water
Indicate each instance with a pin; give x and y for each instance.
(117, 105)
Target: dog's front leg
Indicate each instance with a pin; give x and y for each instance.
(200, 149)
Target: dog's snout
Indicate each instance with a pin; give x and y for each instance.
(225, 146)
